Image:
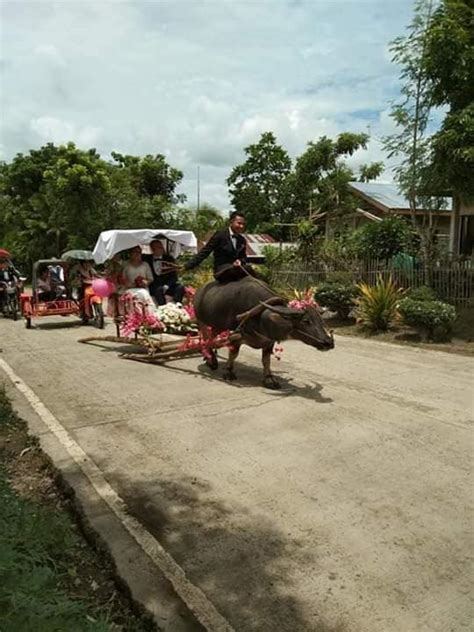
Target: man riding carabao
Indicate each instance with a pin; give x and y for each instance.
(229, 248)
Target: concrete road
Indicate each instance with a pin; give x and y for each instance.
(341, 503)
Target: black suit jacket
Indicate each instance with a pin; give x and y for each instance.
(167, 278)
(222, 246)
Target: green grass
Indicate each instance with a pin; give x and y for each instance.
(35, 558)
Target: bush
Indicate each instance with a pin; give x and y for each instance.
(336, 251)
(338, 297)
(377, 304)
(264, 272)
(276, 258)
(197, 278)
(433, 319)
(422, 293)
(385, 239)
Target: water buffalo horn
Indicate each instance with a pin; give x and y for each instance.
(258, 309)
(285, 312)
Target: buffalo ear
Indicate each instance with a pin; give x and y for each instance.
(278, 319)
(285, 312)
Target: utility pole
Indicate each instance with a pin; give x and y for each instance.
(198, 189)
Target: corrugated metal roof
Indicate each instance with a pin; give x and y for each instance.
(256, 242)
(387, 194)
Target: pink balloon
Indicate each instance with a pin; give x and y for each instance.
(102, 287)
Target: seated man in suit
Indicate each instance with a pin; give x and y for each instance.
(165, 276)
(229, 247)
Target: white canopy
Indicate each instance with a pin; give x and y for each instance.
(111, 242)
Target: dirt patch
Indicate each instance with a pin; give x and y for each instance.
(83, 571)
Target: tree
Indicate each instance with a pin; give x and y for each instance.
(127, 208)
(448, 59)
(448, 62)
(143, 191)
(151, 176)
(370, 172)
(258, 187)
(51, 199)
(383, 240)
(205, 220)
(412, 143)
(75, 187)
(60, 197)
(321, 176)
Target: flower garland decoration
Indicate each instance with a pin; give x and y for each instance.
(303, 299)
(277, 351)
(206, 343)
(139, 321)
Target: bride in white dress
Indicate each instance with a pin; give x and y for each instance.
(138, 276)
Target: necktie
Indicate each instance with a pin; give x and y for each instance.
(157, 264)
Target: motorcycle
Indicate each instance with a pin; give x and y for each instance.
(91, 306)
(10, 297)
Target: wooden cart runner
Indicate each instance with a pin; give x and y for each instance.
(157, 351)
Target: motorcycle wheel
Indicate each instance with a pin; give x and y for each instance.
(98, 315)
(14, 309)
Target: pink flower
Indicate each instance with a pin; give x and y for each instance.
(206, 343)
(189, 309)
(277, 351)
(137, 321)
(302, 303)
(189, 292)
(303, 300)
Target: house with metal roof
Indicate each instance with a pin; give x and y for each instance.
(256, 242)
(378, 200)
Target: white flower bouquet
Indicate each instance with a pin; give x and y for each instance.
(175, 318)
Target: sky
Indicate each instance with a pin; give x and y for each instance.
(197, 80)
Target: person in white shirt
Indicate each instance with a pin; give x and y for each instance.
(137, 272)
(137, 275)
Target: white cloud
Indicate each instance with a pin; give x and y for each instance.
(50, 53)
(50, 129)
(196, 80)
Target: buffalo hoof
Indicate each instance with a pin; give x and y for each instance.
(212, 362)
(271, 382)
(229, 375)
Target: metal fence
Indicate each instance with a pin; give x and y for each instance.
(452, 281)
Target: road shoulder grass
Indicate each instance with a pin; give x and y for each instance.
(52, 577)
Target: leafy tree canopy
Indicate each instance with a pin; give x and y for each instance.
(151, 175)
(448, 64)
(448, 58)
(383, 240)
(258, 186)
(60, 197)
(271, 192)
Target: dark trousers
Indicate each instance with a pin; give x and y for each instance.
(175, 291)
(44, 297)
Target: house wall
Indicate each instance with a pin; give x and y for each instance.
(461, 238)
(466, 208)
(443, 222)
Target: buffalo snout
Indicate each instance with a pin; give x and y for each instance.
(311, 330)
